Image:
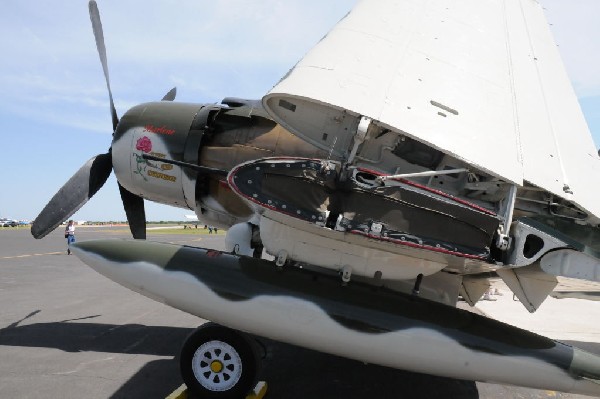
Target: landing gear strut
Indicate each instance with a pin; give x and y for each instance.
(218, 362)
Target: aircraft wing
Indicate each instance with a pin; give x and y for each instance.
(489, 90)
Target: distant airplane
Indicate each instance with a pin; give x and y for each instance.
(416, 151)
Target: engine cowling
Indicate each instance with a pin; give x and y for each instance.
(167, 130)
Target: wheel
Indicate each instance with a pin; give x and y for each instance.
(218, 362)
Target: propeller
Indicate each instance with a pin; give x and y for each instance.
(73, 195)
(99, 36)
(93, 174)
(170, 96)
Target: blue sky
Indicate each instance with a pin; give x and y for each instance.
(53, 102)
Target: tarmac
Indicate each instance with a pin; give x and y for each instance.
(68, 332)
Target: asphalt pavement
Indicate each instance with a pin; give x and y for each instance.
(68, 332)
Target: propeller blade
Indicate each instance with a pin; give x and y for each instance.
(73, 195)
(99, 36)
(170, 96)
(136, 215)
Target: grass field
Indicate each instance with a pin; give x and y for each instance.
(180, 230)
(151, 229)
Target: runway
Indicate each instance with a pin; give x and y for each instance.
(68, 332)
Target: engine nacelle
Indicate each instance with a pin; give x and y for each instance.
(216, 137)
(168, 130)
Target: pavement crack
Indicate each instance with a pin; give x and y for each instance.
(15, 324)
(83, 365)
(81, 318)
(135, 344)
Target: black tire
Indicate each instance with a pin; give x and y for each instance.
(218, 362)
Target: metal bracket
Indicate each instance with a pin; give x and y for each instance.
(359, 137)
(346, 273)
(281, 258)
(503, 241)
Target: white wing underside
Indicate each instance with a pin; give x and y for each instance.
(481, 80)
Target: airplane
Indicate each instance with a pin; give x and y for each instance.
(415, 152)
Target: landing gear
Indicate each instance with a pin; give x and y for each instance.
(218, 362)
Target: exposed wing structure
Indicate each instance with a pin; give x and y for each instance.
(481, 81)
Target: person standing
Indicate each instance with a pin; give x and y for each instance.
(70, 235)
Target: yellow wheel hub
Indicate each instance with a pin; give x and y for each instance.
(216, 366)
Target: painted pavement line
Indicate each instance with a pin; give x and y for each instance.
(28, 255)
(259, 391)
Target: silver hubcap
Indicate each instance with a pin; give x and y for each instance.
(217, 366)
